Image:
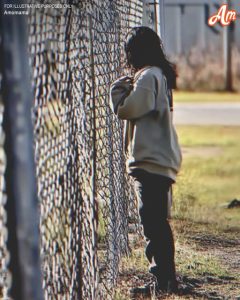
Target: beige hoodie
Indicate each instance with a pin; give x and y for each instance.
(151, 141)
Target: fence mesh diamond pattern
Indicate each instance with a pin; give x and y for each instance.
(4, 253)
(85, 197)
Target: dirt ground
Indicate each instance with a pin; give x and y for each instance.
(222, 246)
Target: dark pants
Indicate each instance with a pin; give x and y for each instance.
(152, 191)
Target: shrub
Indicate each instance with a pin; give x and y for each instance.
(203, 70)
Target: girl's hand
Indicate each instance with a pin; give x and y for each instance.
(126, 79)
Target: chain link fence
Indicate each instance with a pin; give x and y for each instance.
(4, 253)
(84, 195)
(85, 198)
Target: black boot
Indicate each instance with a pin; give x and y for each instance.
(167, 283)
(146, 290)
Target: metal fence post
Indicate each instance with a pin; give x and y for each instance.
(153, 15)
(149, 14)
(161, 19)
(227, 54)
(22, 204)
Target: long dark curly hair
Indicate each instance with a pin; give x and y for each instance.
(144, 47)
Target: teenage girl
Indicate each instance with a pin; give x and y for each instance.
(151, 144)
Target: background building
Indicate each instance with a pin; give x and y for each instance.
(207, 58)
(186, 25)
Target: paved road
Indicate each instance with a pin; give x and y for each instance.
(207, 114)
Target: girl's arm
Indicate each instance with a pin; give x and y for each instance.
(120, 89)
(136, 102)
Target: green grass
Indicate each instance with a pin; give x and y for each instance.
(209, 178)
(136, 260)
(210, 174)
(195, 97)
(194, 263)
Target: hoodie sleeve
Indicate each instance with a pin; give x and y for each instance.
(139, 101)
(120, 89)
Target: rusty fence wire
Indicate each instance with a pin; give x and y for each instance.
(85, 198)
